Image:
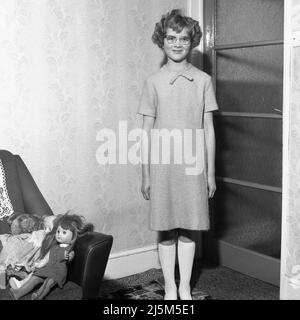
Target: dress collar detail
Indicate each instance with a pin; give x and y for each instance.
(185, 73)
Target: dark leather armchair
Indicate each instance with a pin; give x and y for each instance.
(91, 251)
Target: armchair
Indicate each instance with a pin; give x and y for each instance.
(91, 251)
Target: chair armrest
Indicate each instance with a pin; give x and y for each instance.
(89, 263)
(33, 200)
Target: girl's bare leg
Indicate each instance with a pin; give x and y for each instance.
(186, 253)
(167, 255)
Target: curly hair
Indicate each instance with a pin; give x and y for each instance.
(25, 223)
(177, 22)
(67, 221)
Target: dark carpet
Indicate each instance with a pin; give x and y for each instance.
(209, 281)
(70, 291)
(154, 290)
(215, 282)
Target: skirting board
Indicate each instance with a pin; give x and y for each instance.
(127, 263)
(243, 260)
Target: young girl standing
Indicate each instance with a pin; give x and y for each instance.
(178, 97)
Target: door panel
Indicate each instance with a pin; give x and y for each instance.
(249, 149)
(248, 20)
(250, 79)
(245, 220)
(244, 54)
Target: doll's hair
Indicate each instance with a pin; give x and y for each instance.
(177, 22)
(75, 223)
(25, 223)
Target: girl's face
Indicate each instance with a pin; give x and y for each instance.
(63, 235)
(177, 45)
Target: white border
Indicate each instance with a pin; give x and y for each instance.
(285, 141)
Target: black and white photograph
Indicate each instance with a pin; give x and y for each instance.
(149, 151)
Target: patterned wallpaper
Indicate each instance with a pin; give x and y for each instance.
(295, 15)
(69, 68)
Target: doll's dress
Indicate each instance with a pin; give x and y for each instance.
(56, 268)
(22, 249)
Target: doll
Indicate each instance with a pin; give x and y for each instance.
(51, 268)
(25, 223)
(19, 271)
(22, 245)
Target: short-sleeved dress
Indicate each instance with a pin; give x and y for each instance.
(178, 178)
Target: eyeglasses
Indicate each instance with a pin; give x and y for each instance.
(183, 40)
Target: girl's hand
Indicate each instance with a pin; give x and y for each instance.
(211, 182)
(146, 188)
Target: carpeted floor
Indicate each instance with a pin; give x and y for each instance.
(215, 282)
(226, 284)
(153, 290)
(208, 282)
(71, 291)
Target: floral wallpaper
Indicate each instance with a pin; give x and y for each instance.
(295, 15)
(69, 68)
(290, 248)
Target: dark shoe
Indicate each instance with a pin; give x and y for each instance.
(43, 290)
(11, 294)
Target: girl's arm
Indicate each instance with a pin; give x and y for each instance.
(148, 123)
(210, 150)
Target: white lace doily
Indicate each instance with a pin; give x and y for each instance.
(6, 208)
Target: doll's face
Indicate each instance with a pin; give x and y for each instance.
(63, 235)
(177, 45)
(15, 228)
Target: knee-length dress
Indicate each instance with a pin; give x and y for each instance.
(178, 188)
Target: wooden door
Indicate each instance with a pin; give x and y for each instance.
(243, 51)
